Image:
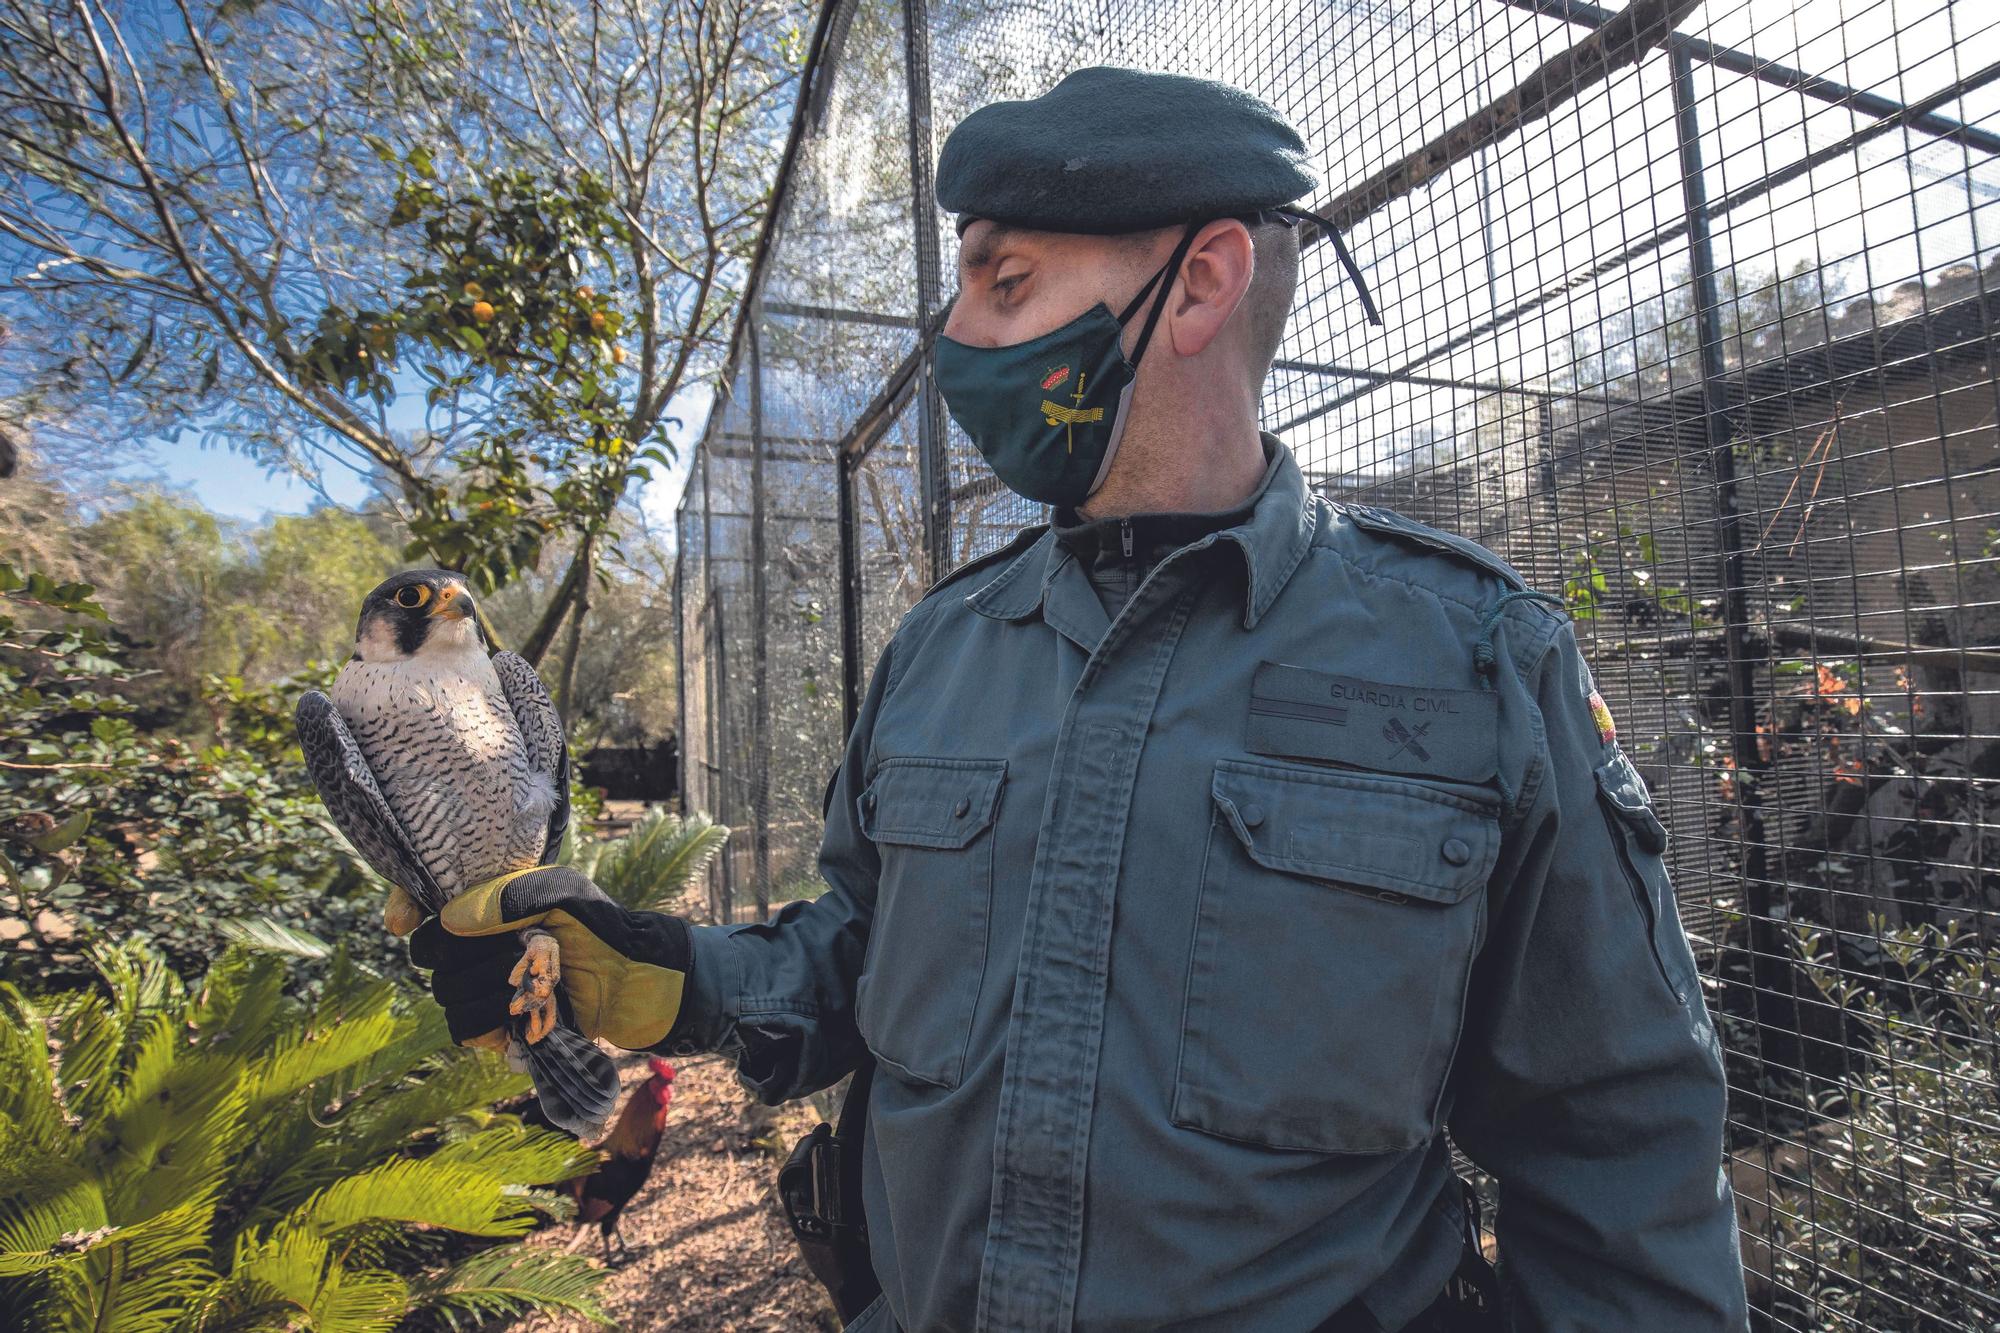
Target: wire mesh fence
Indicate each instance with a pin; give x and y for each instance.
(1691, 316)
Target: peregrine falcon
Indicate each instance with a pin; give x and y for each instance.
(445, 766)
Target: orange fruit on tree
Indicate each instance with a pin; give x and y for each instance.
(597, 321)
(618, 356)
(483, 311)
(474, 290)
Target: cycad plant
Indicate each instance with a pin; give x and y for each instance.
(647, 868)
(230, 1157)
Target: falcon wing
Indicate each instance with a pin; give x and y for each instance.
(347, 788)
(542, 733)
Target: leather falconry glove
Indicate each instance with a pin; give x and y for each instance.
(622, 971)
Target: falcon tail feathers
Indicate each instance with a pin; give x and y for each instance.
(575, 1080)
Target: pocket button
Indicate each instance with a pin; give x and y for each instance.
(1455, 851)
(1253, 815)
(959, 811)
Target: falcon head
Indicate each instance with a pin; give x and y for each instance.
(420, 611)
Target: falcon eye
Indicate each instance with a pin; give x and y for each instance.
(413, 596)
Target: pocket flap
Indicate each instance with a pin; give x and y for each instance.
(1624, 791)
(1392, 834)
(931, 802)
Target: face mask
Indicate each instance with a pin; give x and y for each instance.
(1047, 414)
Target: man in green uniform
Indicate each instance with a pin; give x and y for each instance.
(1201, 857)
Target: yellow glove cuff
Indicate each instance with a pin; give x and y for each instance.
(477, 911)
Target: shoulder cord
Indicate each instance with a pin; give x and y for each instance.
(1482, 651)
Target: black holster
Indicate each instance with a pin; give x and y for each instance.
(1468, 1303)
(820, 1186)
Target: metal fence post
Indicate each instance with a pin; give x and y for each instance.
(1767, 958)
(845, 465)
(681, 657)
(760, 633)
(933, 469)
(718, 693)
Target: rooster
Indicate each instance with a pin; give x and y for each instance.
(632, 1144)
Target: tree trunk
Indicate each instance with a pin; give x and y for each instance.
(536, 646)
(580, 608)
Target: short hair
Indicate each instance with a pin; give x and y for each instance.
(1268, 303)
(1274, 282)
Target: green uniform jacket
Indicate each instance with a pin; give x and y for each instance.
(1180, 936)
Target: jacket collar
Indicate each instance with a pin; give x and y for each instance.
(1273, 540)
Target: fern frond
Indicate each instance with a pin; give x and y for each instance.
(90, 1035)
(66, 1219)
(551, 1205)
(242, 1002)
(520, 1154)
(509, 1280)
(445, 1087)
(28, 1106)
(176, 1145)
(428, 1192)
(657, 859)
(305, 1057)
(295, 1272)
(265, 935)
(142, 1278)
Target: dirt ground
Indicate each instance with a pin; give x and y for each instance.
(709, 1248)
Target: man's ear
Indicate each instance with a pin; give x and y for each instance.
(1213, 279)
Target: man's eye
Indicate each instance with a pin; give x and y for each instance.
(1006, 286)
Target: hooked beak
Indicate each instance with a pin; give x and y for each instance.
(453, 603)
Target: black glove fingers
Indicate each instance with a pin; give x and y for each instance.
(476, 1017)
(485, 977)
(469, 976)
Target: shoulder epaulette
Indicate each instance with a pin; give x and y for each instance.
(1390, 523)
(1019, 542)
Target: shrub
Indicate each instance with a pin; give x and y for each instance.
(226, 1157)
(112, 826)
(646, 868)
(1893, 1216)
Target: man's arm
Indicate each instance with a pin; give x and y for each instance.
(1591, 1082)
(779, 995)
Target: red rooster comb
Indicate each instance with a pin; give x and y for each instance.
(661, 1069)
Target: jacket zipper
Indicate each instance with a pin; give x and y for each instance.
(1125, 536)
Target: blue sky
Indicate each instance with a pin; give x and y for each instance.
(236, 486)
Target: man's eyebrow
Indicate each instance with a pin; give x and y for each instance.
(980, 254)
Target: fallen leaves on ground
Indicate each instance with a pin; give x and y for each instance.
(709, 1248)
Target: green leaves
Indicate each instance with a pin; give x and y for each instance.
(508, 1280)
(237, 1159)
(97, 815)
(649, 866)
(276, 937)
(519, 357)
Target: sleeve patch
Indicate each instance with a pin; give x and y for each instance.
(1600, 713)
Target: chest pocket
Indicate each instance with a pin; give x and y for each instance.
(1326, 987)
(932, 822)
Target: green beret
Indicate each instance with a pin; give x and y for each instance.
(1116, 150)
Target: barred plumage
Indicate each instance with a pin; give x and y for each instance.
(446, 768)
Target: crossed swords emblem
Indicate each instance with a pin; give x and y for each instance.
(1068, 417)
(1404, 738)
